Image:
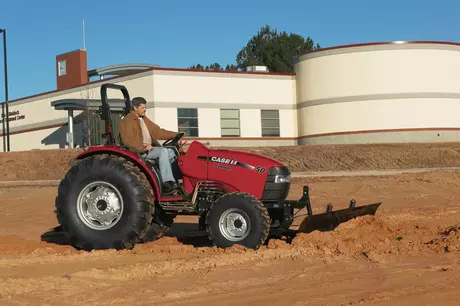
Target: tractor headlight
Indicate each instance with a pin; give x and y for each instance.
(282, 179)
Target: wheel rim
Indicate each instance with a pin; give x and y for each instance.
(100, 205)
(234, 224)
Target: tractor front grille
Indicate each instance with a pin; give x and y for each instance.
(276, 191)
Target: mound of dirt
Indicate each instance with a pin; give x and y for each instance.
(376, 236)
(53, 164)
(36, 165)
(365, 157)
(447, 241)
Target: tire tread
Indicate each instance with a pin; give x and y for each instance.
(138, 183)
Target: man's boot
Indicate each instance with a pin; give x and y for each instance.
(171, 188)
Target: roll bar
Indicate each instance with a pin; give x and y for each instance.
(105, 109)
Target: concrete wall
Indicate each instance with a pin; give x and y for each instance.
(398, 92)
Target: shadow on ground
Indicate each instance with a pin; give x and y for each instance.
(186, 233)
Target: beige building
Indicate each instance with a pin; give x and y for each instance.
(371, 93)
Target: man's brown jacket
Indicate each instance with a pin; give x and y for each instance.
(131, 133)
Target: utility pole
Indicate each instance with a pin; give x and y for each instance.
(6, 117)
(3, 127)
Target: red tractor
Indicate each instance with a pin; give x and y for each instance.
(112, 197)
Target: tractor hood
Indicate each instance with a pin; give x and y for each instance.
(243, 159)
(262, 176)
(258, 175)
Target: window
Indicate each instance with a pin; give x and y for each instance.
(270, 123)
(62, 69)
(187, 120)
(230, 122)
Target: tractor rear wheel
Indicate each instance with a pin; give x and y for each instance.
(104, 203)
(238, 218)
(160, 225)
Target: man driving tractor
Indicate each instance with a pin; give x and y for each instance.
(139, 132)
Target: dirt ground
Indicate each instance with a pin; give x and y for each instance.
(408, 254)
(53, 164)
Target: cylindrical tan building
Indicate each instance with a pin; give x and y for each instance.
(382, 92)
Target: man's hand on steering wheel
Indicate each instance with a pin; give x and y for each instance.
(174, 140)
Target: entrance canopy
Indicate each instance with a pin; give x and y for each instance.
(71, 105)
(118, 70)
(116, 105)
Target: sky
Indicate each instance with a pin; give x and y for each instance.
(178, 34)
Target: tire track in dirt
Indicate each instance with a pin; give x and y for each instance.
(373, 239)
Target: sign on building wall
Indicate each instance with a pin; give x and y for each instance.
(14, 116)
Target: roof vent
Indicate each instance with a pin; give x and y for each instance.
(257, 68)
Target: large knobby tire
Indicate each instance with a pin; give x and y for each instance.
(113, 183)
(160, 225)
(238, 218)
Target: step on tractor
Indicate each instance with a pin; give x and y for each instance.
(112, 197)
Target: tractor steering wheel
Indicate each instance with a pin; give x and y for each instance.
(174, 140)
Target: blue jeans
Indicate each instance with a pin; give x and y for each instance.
(165, 158)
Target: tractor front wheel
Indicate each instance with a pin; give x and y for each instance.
(238, 218)
(103, 203)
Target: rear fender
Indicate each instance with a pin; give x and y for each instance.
(132, 156)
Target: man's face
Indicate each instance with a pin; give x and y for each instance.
(140, 111)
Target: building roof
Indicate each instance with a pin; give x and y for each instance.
(398, 43)
(377, 46)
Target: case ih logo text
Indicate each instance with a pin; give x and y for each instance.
(224, 160)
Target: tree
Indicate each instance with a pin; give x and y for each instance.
(196, 67)
(231, 68)
(274, 50)
(268, 48)
(85, 118)
(214, 67)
